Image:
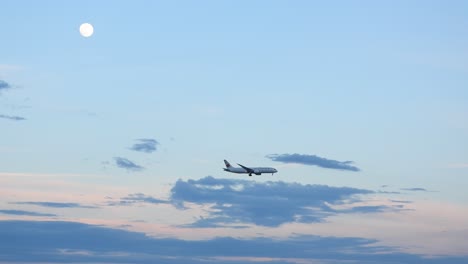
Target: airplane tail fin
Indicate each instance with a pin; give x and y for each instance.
(228, 165)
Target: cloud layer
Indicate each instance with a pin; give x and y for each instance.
(55, 204)
(265, 204)
(64, 242)
(24, 213)
(313, 160)
(127, 164)
(146, 145)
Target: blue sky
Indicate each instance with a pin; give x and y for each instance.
(361, 106)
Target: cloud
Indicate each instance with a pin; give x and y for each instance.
(4, 85)
(127, 164)
(55, 204)
(65, 242)
(14, 118)
(369, 209)
(138, 198)
(313, 160)
(414, 189)
(24, 213)
(387, 192)
(146, 145)
(401, 201)
(265, 204)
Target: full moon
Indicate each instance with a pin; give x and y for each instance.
(86, 30)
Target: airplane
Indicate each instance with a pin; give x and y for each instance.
(247, 170)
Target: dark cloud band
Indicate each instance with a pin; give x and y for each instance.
(65, 242)
(24, 213)
(313, 160)
(137, 198)
(55, 204)
(265, 204)
(414, 189)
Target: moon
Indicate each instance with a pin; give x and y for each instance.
(86, 30)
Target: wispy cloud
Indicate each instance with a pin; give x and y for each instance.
(60, 242)
(146, 145)
(4, 85)
(55, 204)
(369, 209)
(414, 189)
(401, 201)
(137, 198)
(127, 164)
(265, 204)
(24, 213)
(313, 160)
(14, 118)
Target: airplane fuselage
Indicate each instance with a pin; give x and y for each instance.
(256, 170)
(249, 170)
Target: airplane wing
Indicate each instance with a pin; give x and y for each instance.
(249, 170)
